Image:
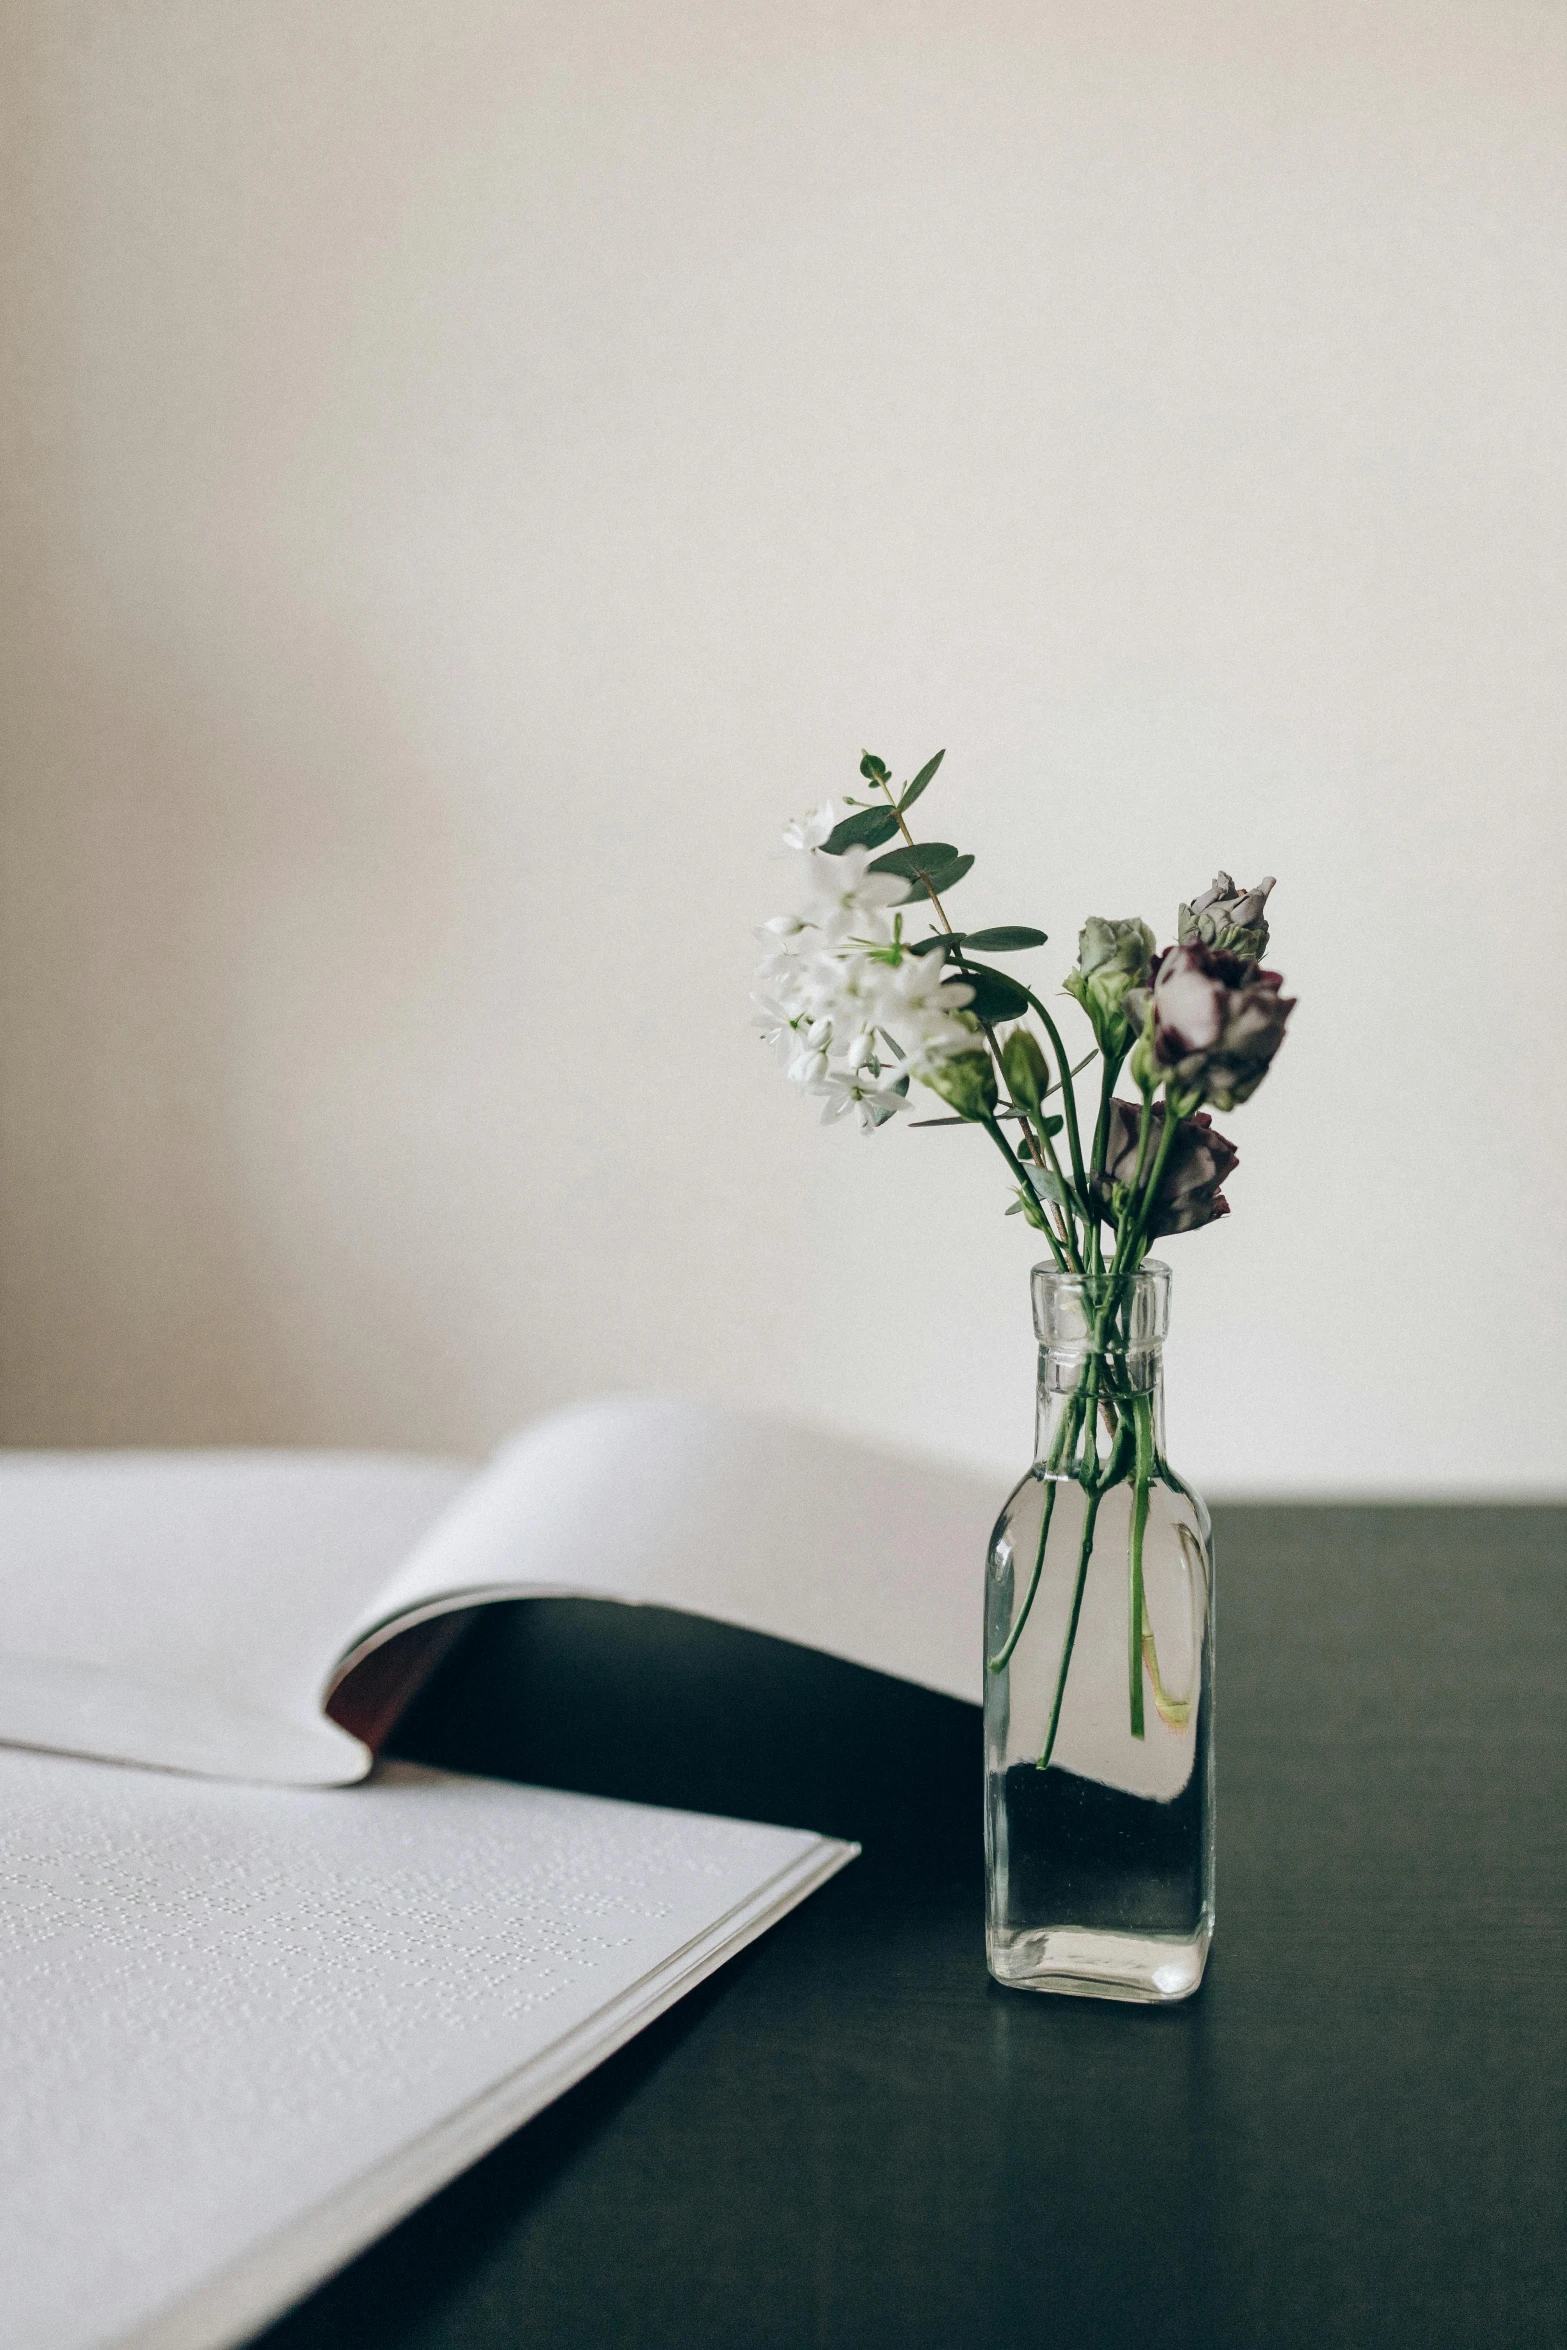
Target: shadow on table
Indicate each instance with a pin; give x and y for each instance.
(657, 1707)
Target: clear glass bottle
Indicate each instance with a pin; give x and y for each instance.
(1099, 1669)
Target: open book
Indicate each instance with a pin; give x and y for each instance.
(252, 2011)
(202, 1611)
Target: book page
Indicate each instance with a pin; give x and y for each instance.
(188, 1609)
(243, 2029)
(197, 1610)
(781, 1529)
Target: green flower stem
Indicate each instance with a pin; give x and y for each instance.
(1089, 1466)
(993, 1129)
(1128, 1253)
(1068, 1220)
(1095, 1487)
(940, 911)
(1134, 1188)
(1076, 1069)
(1085, 1549)
(1068, 1096)
(1065, 1439)
(1107, 1077)
(1144, 1138)
(1038, 1140)
(1033, 1128)
(1142, 1415)
(910, 842)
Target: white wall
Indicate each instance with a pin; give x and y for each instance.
(471, 471)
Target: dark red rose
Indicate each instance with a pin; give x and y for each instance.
(1200, 1160)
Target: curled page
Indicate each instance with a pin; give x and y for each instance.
(661, 1501)
(199, 1611)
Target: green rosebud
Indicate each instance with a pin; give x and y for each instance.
(1026, 1070)
(1143, 1066)
(966, 1083)
(1112, 959)
(1230, 918)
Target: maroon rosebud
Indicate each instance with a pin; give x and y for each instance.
(1211, 1025)
(1200, 1160)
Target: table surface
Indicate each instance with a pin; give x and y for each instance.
(1355, 2134)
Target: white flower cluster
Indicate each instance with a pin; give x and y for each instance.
(852, 1010)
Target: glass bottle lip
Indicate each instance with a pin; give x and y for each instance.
(1152, 1270)
(1068, 1306)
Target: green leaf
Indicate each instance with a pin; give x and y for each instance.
(947, 878)
(919, 783)
(926, 856)
(873, 769)
(996, 997)
(1010, 939)
(1051, 1187)
(947, 940)
(867, 830)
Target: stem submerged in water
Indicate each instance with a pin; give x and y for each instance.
(1104, 1383)
(1142, 1414)
(1096, 1483)
(1085, 1549)
(1065, 1438)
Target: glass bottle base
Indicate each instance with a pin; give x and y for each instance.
(1086, 1964)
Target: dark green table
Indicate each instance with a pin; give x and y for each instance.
(1356, 2134)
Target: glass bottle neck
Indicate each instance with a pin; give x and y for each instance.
(1119, 1389)
(1101, 1371)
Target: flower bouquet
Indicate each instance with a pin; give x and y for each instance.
(1099, 1592)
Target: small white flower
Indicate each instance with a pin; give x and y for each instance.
(872, 1104)
(845, 987)
(939, 1041)
(808, 832)
(807, 1065)
(785, 976)
(918, 990)
(847, 899)
(777, 1024)
(783, 926)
